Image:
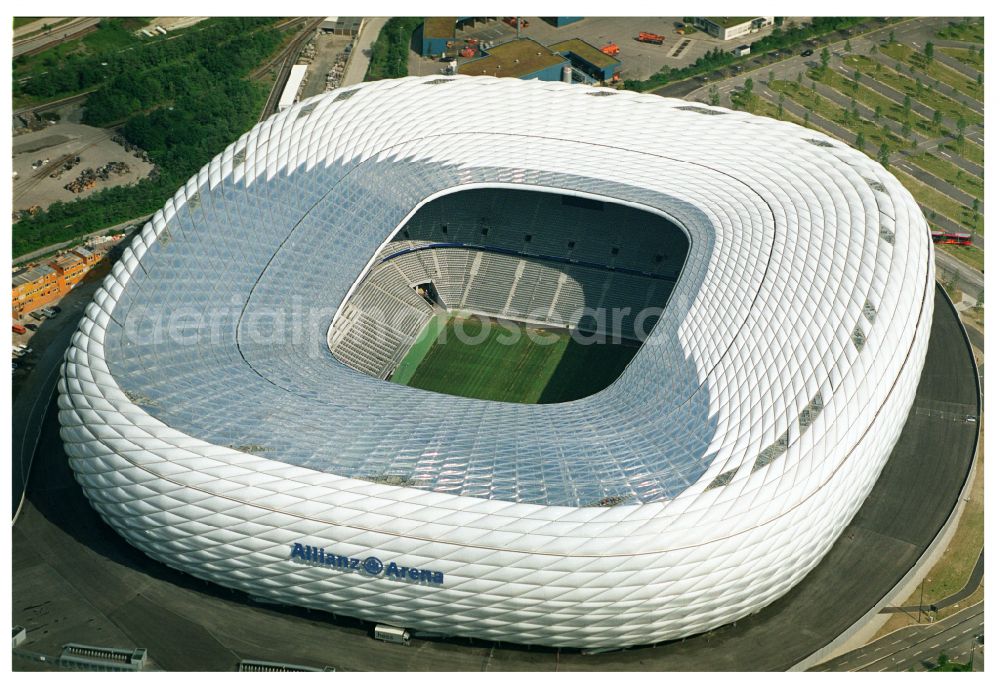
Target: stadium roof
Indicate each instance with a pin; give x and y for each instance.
(201, 405)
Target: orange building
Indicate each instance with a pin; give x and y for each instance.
(33, 288)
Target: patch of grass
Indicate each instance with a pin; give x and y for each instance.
(829, 110)
(889, 108)
(21, 21)
(949, 172)
(938, 202)
(970, 31)
(933, 70)
(972, 58)
(969, 255)
(967, 149)
(512, 362)
(907, 86)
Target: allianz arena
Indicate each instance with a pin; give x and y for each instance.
(702, 484)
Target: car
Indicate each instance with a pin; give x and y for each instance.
(49, 313)
(57, 309)
(970, 419)
(37, 315)
(31, 326)
(806, 53)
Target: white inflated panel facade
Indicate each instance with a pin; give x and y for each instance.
(737, 444)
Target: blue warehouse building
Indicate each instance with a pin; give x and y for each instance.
(588, 59)
(522, 59)
(435, 34)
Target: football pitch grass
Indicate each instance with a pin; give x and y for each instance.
(509, 362)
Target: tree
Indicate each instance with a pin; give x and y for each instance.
(961, 124)
(907, 104)
(847, 45)
(873, 49)
(892, 35)
(798, 79)
(975, 211)
(748, 86)
(883, 154)
(770, 76)
(781, 104)
(713, 95)
(824, 58)
(906, 130)
(928, 52)
(979, 79)
(937, 118)
(878, 112)
(805, 119)
(859, 143)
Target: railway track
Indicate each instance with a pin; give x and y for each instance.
(284, 61)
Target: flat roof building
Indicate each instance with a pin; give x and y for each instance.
(291, 92)
(522, 59)
(728, 28)
(435, 35)
(588, 59)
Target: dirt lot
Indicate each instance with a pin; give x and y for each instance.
(328, 49)
(639, 60)
(55, 143)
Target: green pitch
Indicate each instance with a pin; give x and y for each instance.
(501, 362)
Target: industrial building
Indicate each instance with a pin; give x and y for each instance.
(342, 26)
(588, 59)
(521, 59)
(699, 487)
(293, 86)
(34, 287)
(728, 28)
(435, 35)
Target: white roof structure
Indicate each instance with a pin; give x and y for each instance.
(291, 90)
(743, 436)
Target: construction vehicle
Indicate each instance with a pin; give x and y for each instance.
(512, 21)
(654, 38)
(611, 49)
(468, 51)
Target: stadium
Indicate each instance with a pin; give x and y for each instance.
(695, 337)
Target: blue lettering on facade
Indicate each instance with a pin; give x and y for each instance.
(368, 566)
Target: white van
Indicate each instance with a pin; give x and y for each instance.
(392, 635)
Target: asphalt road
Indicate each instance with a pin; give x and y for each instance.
(917, 647)
(56, 35)
(74, 579)
(910, 32)
(33, 389)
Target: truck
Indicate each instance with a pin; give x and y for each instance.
(392, 635)
(611, 49)
(960, 238)
(655, 38)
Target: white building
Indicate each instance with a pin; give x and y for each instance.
(291, 91)
(700, 486)
(728, 28)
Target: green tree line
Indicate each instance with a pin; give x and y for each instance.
(714, 59)
(391, 48)
(182, 110)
